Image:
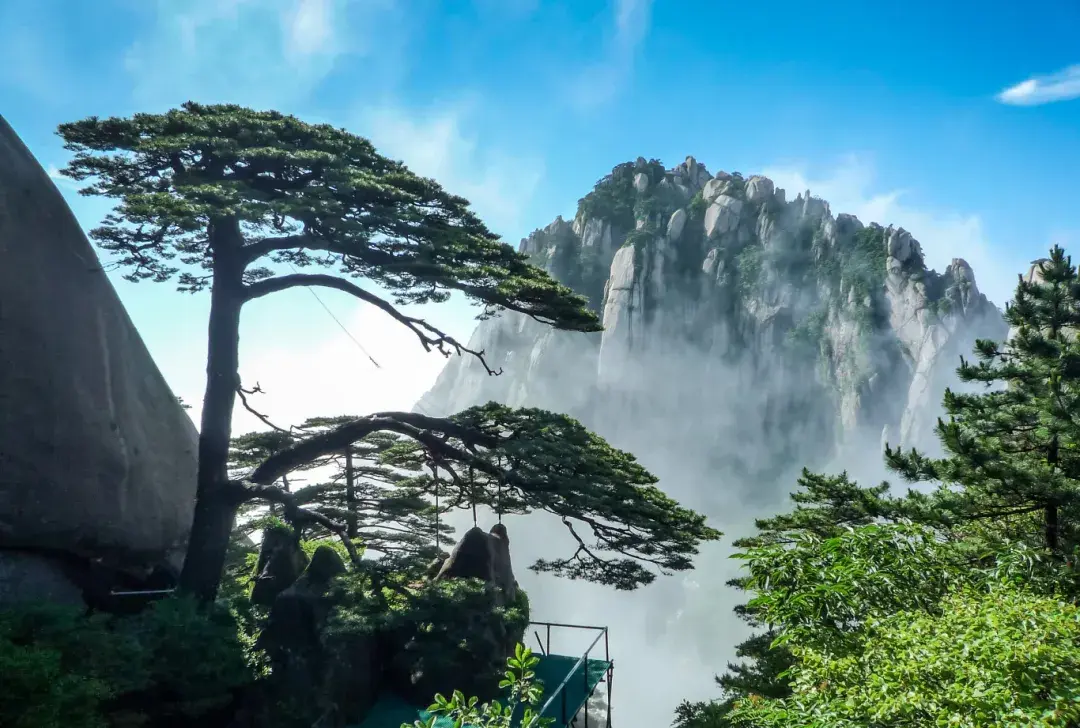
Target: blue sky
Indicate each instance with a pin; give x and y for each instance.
(955, 120)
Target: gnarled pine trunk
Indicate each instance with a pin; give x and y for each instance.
(215, 508)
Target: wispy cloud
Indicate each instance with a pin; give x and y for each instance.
(603, 81)
(320, 371)
(1037, 90)
(64, 183)
(851, 187)
(499, 183)
(255, 52)
(309, 28)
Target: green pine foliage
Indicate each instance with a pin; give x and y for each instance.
(955, 606)
(1013, 453)
(873, 644)
(226, 199)
(184, 178)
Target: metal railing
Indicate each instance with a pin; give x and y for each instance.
(582, 663)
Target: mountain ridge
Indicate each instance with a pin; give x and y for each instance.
(745, 337)
(726, 267)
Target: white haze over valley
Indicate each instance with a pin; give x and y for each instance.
(669, 639)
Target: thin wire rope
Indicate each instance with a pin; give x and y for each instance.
(438, 533)
(352, 338)
(338, 322)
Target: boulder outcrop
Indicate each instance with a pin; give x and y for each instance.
(432, 661)
(97, 457)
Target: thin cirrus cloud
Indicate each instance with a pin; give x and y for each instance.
(601, 82)
(267, 53)
(1037, 90)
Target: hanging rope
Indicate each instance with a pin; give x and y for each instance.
(472, 494)
(438, 533)
(498, 499)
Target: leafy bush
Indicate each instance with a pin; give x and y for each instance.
(442, 629)
(1003, 658)
(523, 691)
(749, 266)
(436, 613)
(613, 198)
(822, 590)
(191, 659)
(57, 667)
(172, 663)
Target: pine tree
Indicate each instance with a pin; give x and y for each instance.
(1013, 452)
(388, 508)
(1008, 482)
(222, 197)
(824, 506)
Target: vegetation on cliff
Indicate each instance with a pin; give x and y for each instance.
(233, 194)
(955, 606)
(339, 592)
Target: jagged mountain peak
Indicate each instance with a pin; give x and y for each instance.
(640, 199)
(787, 333)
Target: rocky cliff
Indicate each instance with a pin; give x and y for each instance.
(746, 334)
(97, 458)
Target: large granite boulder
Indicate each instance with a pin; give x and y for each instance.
(97, 457)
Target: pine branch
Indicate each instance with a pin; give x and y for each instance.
(244, 490)
(430, 337)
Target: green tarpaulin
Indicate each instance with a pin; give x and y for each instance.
(391, 712)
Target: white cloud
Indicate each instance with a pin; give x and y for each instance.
(943, 234)
(309, 28)
(604, 80)
(499, 184)
(336, 377)
(1061, 86)
(64, 183)
(631, 23)
(255, 52)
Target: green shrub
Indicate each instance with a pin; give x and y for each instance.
(57, 667)
(192, 659)
(61, 668)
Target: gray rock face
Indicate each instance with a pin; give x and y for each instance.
(759, 189)
(676, 224)
(767, 335)
(29, 578)
(757, 330)
(722, 216)
(97, 458)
